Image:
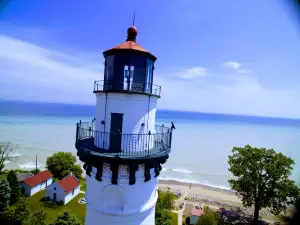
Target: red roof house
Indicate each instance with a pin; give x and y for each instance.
(36, 183)
(69, 183)
(195, 214)
(64, 190)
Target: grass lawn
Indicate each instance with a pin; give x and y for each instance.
(174, 218)
(35, 203)
(82, 184)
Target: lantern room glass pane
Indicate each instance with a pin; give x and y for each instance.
(109, 72)
(149, 76)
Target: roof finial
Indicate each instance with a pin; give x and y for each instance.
(133, 18)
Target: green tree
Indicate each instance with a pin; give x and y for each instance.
(35, 171)
(77, 171)
(61, 164)
(295, 220)
(261, 179)
(6, 151)
(18, 213)
(208, 218)
(162, 217)
(4, 194)
(66, 218)
(37, 218)
(166, 200)
(15, 187)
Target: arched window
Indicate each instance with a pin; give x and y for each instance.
(114, 198)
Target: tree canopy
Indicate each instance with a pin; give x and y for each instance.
(15, 187)
(261, 179)
(165, 203)
(62, 163)
(66, 218)
(37, 218)
(18, 213)
(6, 150)
(162, 217)
(4, 194)
(166, 200)
(208, 218)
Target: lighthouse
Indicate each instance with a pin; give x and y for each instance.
(122, 148)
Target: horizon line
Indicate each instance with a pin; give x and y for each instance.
(170, 110)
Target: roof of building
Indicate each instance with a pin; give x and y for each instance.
(69, 183)
(130, 43)
(38, 178)
(23, 176)
(196, 212)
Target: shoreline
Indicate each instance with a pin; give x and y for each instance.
(182, 183)
(196, 191)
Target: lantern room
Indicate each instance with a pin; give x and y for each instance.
(128, 68)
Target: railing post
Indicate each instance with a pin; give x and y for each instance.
(149, 133)
(170, 140)
(77, 132)
(90, 131)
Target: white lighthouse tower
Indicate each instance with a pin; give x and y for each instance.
(122, 148)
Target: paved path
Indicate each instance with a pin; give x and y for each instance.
(180, 211)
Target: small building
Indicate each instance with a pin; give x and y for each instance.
(195, 214)
(64, 190)
(23, 176)
(36, 183)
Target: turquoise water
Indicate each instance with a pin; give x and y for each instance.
(200, 146)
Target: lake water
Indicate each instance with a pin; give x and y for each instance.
(201, 142)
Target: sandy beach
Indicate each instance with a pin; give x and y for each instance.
(192, 195)
(190, 190)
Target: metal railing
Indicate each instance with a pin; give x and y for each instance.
(119, 144)
(104, 85)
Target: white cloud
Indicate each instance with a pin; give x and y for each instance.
(29, 72)
(29, 69)
(232, 65)
(194, 72)
(244, 71)
(238, 67)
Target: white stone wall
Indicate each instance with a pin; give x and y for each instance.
(130, 204)
(29, 191)
(93, 217)
(135, 109)
(71, 195)
(60, 193)
(55, 188)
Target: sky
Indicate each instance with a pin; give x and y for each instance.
(233, 57)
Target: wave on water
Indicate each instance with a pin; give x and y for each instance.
(16, 154)
(179, 170)
(31, 165)
(189, 181)
(7, 161)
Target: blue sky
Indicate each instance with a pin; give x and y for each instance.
(238, 57)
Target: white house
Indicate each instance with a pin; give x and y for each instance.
(64, 190)
(36, 183)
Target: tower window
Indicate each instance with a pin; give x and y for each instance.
(128, 77)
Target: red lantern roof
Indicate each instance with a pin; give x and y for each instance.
(129, 44)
